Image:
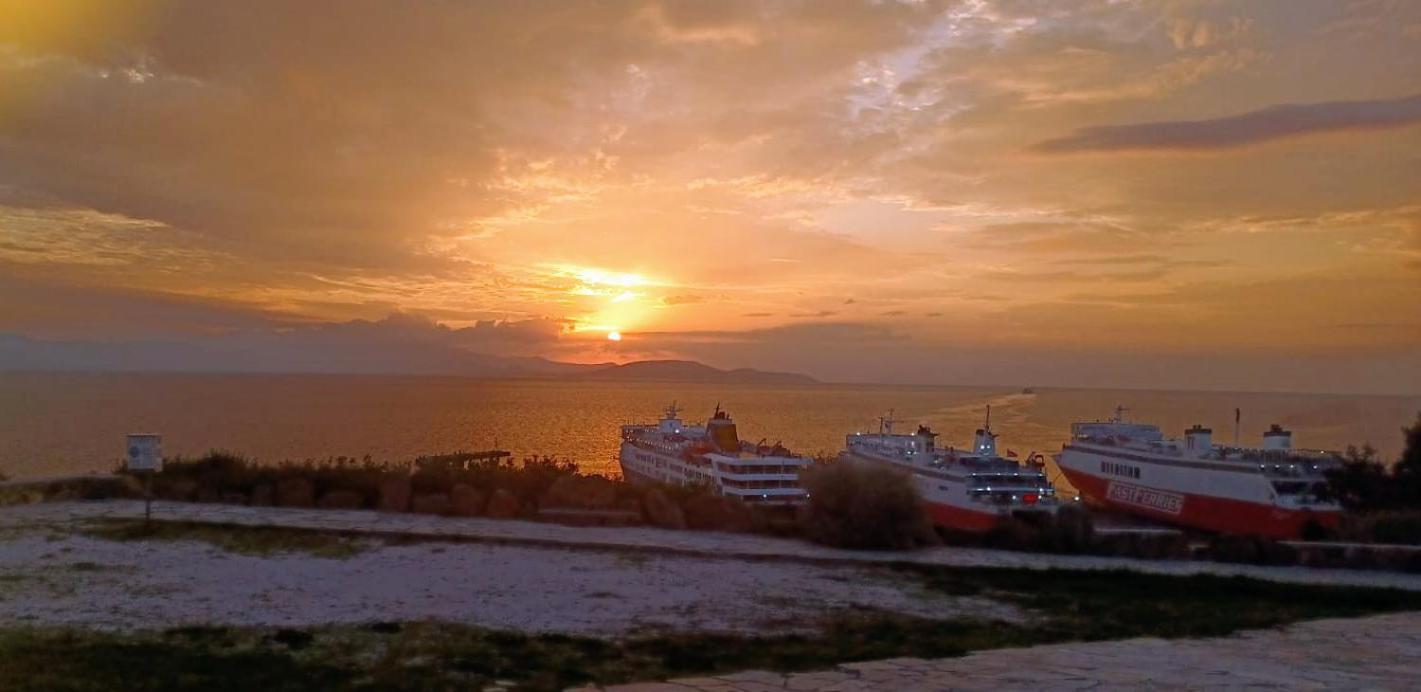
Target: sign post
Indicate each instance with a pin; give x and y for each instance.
(145, 458)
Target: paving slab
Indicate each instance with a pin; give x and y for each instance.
(1373, 653)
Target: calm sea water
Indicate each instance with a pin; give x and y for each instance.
(55, 424)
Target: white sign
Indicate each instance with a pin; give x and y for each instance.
(145, 453)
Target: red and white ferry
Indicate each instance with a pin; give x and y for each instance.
(1272, 491)
(711, 455)
(967, 490)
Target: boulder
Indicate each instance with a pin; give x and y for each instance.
(395, 494)
(342, 499)
(502, 505)
(180, 489)
(717, 513)
(466, 500)
(581, 492)
(295, 492)
(662, 511)
(430, 503)
(263, 495)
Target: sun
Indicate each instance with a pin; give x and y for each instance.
(614, 336)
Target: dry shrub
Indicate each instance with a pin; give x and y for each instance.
(855, 505)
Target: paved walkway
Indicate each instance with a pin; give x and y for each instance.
(1377, 653)
(700, 543)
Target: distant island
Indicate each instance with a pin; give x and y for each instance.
(316, 353)
(691, 371)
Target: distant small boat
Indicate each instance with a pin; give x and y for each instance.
(1028, 390)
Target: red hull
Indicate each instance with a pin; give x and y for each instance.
(960, 519)
(1202, 511)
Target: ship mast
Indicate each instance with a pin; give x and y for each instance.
(1119, 414)
(885, 423)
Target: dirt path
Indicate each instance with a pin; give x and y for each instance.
(52, 574)
(693, 543)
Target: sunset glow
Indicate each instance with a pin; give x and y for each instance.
(1125, 194)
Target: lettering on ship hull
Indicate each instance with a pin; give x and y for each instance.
(1145, 498)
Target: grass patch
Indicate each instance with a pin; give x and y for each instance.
(243, 540)
(1065, 606)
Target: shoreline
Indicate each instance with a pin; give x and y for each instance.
(406, 600)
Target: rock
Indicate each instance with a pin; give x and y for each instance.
(430, 503)
(502, 505)
(263, 495)
(662, 512)
(581, 492)
(717, 513)
(395, 494)
(466, 500)
(295, 492)
(131, 486)
(342, 499)
(180, 489)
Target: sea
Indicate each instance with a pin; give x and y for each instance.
(58, 424)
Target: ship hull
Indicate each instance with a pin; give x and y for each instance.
(948, 504)
(1197, 510)
(961, 519)
(647, 467)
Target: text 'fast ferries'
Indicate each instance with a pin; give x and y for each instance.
(1138, 496)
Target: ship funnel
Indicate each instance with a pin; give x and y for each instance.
(985, 443)
(1198, 439)
(925, 438)
(1277, 438)
(721, 432)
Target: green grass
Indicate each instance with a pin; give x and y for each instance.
(244, 540)
(1063, 606)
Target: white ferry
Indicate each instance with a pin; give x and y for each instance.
(966, 490)
(1272, 491)
(711, 455)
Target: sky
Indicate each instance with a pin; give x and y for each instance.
(1221, 195)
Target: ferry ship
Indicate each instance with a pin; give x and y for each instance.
(711, 455)
(966, 490)
(1272, 491)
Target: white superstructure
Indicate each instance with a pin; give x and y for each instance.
(711, 455)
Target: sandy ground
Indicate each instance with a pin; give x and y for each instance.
(49, 576)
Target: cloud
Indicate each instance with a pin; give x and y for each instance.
(1267, 124)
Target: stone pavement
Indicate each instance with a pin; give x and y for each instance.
(1376, 653)
(699, 543)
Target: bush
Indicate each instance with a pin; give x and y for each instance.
(1365, 484)
(860, 506)
(1398, 527)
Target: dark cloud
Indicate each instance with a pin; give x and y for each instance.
(1263, 125)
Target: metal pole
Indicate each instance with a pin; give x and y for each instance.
(147, 499)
